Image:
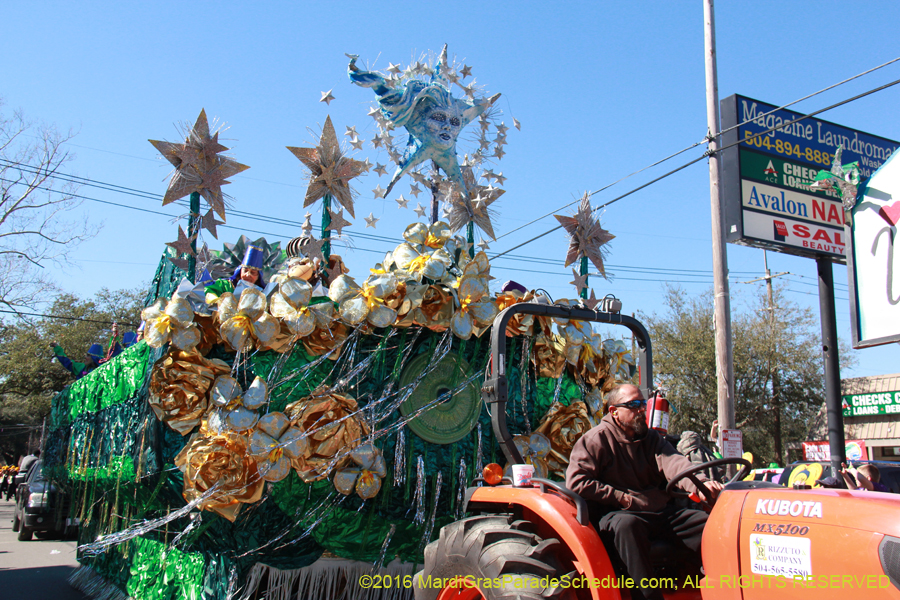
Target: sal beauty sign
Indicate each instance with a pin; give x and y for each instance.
(874, 280)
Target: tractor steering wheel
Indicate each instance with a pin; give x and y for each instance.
(691, 474)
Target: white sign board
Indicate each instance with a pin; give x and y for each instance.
(780, 555)
(732, 443)
(874, 280)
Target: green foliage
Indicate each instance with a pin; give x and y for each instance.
(777, 368)
(30, 377)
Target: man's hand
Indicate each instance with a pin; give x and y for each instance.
(713, 486)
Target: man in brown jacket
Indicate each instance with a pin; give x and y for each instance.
(621, 468)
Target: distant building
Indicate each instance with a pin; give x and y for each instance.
(871, 409)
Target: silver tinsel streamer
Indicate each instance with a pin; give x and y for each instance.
(420, 491)
(426, 538)
(376, 566)
(461, 492)
(479, 463)
(557, 390)
(523, 383)
(400, 458)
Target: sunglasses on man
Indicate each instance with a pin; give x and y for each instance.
(632, 404)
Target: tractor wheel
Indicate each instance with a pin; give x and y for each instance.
(489, 547)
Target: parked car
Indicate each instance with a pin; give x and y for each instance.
(41, 506)
(810, 471)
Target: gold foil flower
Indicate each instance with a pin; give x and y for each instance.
(246, 319)
(290, 304)
(563, 426)
(220, 460)
(434, 236)
(534, 449)
(366, 476)
(549, 355)
(476, 309)
(621, 360)
(276, 445)
(170, 321)
(419, 264)
(235, 410)
(332, 426)
(366, 303)
(179, 386)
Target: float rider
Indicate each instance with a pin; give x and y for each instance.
(249, 271)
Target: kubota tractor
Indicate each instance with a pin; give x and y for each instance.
(762, 540)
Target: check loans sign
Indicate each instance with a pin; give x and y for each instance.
(766, 176)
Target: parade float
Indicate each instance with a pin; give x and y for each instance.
(281, 440)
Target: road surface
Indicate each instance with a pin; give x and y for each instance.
(37, 569)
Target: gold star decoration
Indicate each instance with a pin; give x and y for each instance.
(183, 244)
(464, 210)
(330, 170)
(580, 281)
(313, 249)
(209, 222)
(338, 222)
(586, 237)
(592, 302)
(199, 166)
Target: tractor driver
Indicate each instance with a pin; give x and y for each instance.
(621, 468)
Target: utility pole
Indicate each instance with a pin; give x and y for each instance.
(724, 355)
(776, 382)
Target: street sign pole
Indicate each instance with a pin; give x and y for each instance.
(832, 365)
(724, 359)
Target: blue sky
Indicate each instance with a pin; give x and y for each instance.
(601, 89)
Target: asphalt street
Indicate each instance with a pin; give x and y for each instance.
(37, 569)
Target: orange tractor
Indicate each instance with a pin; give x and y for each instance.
(762, 540)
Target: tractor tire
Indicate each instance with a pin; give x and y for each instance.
(25, 533)
(490, 547)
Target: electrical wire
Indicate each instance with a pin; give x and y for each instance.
(30, 314)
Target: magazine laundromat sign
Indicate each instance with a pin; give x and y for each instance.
(765, 178)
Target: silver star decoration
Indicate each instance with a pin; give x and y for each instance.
(203, 257)
(418, 177)
(499, 153)
(502, 129)
(401, 201)
(419, 210)
(313, 249)
(586, 237)
(464, 210)
(183, 244)
(414, 190)
(209, 222)
(451, 76)
(327, 97)
(517, 124)
(306, 228)
(376, 142)
(488, 174)
(198, 166)
(499, 178)
(392, 68)
(351, 131)
(357, 143)
(338, 222)
(483, 245)
(379, 168)
(580, 281)
(374, 112)
(181, 263)
(379, 191)
(466, 71)
(330, 171)
(371, 220)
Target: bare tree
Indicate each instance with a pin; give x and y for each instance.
(37, 227)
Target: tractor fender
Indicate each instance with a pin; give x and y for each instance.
(559, 515)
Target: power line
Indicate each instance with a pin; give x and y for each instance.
(19, 313)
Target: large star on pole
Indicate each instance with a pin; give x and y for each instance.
(463, 210)
(586, 237)
(198, 166)
(330, 170)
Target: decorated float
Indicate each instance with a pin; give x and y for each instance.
(281, 435)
